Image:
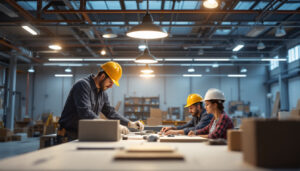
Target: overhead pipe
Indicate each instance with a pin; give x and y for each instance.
(168, 11)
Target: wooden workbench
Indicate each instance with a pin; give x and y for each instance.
(198, 156)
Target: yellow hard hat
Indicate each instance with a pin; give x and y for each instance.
(192, 99)
(113, 70)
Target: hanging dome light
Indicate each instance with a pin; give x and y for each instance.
(146, 58)
(31, 70)
(147, 30)
(147, 70)
(280, 32)
(55, 46)
(109, 34)
(210, 4)
(261, 45)
(68, 70)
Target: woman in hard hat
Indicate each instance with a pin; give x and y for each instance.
(88, 98)
(214, 103)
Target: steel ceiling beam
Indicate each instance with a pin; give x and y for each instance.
(169, 11)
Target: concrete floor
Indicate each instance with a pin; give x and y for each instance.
(13, 148)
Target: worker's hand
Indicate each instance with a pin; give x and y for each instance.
(165, 129)
(123, 129)
(136, 125)
(171, 132)
(191, 133)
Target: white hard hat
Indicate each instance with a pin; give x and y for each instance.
(214, 94)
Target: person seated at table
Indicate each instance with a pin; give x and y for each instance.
(214, 103)
(200, 117)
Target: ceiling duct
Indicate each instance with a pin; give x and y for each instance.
(8, 11)
(89, 32)
(256, 31)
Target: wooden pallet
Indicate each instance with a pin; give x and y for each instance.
(5, 139)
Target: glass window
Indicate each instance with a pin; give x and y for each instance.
(274, 64)
(294, 54)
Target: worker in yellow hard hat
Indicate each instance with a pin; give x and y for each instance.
(87, 98)
(221, 122)
(200, 117)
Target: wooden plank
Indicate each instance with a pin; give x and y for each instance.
(123, 155)
(150, 148)
(276, 106)
(182, 139)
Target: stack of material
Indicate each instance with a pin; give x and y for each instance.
(5, 135)
(36, 129)
(295, 113)
(148, 152)
(164, 115)
(22, 126)
(155, 117)
(174, 112)
(239, 106)
(271, 143)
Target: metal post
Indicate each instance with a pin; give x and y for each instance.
(12, 89)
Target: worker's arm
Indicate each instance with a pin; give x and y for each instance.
(81, 97)
(205, 120)
(111, 113)
(174, 132)
(189, 124)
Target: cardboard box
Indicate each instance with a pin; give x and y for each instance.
(298, 104)
(27, 120)
(234, 140)
(155, 112)
(20, 130)
(295, 113)
(99, 130)
(271, 143)
(4, 132)
(284, 115)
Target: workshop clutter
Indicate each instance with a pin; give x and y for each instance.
(155, 117)
(174, 113)
(295, 113)
(271, 143)
(238, 107)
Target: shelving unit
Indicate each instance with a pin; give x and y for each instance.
(138, 108)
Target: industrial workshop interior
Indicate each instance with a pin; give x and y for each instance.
(149, 85)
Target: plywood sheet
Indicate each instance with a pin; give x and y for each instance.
(123, 155)
(150, 148)
(182, 139)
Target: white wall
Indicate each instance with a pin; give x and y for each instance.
(50, 92)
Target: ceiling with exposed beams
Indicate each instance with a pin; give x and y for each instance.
(194, 31)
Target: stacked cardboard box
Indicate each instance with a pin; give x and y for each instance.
(271, 143)
(239, 106)
(155, 117)
(164, 115)
(295, 113)
(234, 140)
(5, 135)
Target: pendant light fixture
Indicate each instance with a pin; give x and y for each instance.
(146, 58)
(109, 34)
(147, 70)
(147, 30)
